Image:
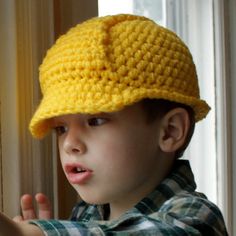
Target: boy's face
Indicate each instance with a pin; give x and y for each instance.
(110, 157)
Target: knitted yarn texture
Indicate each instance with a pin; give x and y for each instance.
(107, 63)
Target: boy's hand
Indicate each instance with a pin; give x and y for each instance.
(28, 211)
(9, 227)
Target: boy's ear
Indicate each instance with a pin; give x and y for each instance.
(174, 129)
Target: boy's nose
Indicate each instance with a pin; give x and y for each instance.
(73, 144)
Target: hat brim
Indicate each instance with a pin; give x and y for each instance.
(70, 100)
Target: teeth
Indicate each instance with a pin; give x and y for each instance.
(78, 169)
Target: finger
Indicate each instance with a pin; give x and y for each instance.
(18, 219)
(44, 206)
(27, 207)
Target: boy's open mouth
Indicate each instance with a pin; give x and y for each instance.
(77, 174)
(75, 168)
(78, 170)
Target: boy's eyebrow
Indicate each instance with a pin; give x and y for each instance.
(52, 121)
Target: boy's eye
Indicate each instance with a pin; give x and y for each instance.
(60, 130)
(96, 121)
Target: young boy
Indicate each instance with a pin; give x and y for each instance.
(121, 93)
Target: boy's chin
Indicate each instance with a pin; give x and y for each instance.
(89, 197)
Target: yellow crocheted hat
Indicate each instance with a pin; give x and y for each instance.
(110, 62)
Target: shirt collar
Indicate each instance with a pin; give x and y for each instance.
(180, 179)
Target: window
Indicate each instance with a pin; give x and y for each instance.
(194, 22)
(176, 16)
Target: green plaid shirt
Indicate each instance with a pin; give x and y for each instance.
(173, 208)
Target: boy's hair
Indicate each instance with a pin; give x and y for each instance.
(107, 63)
(157, 108)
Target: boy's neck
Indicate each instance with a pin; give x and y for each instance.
(127, 202)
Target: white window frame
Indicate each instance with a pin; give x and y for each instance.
(223, 111)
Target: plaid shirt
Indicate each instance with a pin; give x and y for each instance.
(173, 208)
